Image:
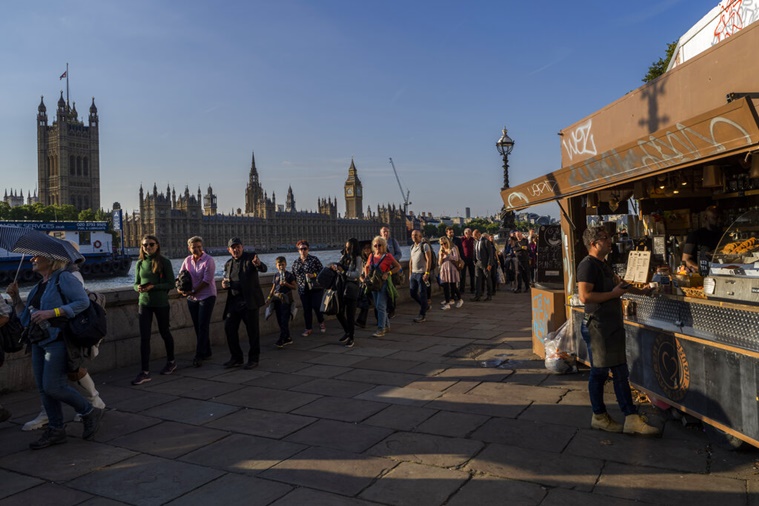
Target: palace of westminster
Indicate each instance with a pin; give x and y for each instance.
(68, 172)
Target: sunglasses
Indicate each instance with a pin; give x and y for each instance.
(377, 245)
(148, 244)
(303, 248)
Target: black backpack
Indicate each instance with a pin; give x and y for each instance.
(433, 265)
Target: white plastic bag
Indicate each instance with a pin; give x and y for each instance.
(560, 350)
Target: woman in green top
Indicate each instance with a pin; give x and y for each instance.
(153, 278)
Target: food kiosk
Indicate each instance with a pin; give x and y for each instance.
(648, 166)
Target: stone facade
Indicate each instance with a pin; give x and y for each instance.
(68, 157)
(175, 218)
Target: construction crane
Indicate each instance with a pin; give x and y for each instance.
(405, 196)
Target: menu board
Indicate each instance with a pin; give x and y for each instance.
(637, 266)
(550, 262)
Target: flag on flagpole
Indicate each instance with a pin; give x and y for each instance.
(63, 75)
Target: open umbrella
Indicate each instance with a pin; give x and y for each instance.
(32, 242)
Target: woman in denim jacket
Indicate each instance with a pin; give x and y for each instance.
(58, 295)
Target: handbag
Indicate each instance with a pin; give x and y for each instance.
(10, 334)
(183, 283)
(330, 304)
(87, 328)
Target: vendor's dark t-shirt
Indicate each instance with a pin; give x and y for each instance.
(702, 240)
(594, 271)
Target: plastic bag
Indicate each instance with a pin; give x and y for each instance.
(560, 350)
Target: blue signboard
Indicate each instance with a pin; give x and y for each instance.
(56, 226)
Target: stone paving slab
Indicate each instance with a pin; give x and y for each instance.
(279, 381)
(330, 470)
(415, 484)
(660, 486)
(143, 401)
(564, 497)
(306, 496)
(12, 483)
(526, 434)
(339, 435)
(398, 395)
(491, 490)
(333, 387)
(400, 417)
(191, 411)
(194, 388)
(545, 468)
(231, 490)
(483, 405)
(324, 371)
(342, 409)
(267, 398)
(145, 480)
(121, 423)
(379, 377)
(262, 423)
(426, 449)
(48, 493)
(240, 453)
(169, 439)
(516, 392)
(446, 423)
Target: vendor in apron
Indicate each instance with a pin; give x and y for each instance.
(604, 332)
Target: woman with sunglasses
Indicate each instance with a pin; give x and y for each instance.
(153, 278)
(306, 267)
(384, 264)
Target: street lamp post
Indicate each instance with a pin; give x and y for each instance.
(505, 145)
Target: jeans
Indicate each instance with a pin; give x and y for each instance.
(468, 267)
(598, 376)
(232, 330)
(146, 323)
(283, 319)
(49, 368)
(380, 302)
(200, 312)
(418, 290)
(312, 301)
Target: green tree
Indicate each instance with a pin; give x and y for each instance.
(429, 231)
(660, 67)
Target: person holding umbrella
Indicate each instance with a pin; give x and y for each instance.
(58, 294)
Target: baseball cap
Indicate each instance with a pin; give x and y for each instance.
(233, 241)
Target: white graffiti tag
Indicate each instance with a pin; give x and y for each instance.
(539, 189)
(517, 199)
(581, 141)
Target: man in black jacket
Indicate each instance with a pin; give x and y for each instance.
(243, 302)
(484, 262)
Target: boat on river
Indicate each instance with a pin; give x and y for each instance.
(91, 238)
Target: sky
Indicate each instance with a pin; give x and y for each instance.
(188, 91)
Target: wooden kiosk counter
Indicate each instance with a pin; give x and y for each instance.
(649, 180)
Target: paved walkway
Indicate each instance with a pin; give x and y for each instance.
(409, 419)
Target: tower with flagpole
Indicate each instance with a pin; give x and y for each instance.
(68, 155)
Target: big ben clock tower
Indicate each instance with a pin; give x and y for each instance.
(353, 194)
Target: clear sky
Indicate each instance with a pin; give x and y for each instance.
(188, 90)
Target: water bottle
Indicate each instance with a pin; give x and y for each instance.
(44, 324)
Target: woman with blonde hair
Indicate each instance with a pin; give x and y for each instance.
(153, 278)
(380, 265)
(449, 273)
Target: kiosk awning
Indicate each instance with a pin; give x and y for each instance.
(730, 129)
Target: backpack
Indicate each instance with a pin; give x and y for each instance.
(90, 326)
(433, 265)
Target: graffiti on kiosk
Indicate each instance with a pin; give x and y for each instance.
(735, 15)
(517, 199)
(580, 141)
(541, 309)
(675, 146)
(538, 189)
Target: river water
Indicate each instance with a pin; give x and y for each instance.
(326, 257)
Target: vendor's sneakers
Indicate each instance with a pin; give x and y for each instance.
(37, 423)
(605, 422)
(636, 424)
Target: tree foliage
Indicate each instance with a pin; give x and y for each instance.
(41, 212)
(660, 67)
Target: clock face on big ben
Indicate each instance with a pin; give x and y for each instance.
(349, 191)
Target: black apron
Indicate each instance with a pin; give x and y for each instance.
(607, 332)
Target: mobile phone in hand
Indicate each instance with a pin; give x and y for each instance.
(625, 286)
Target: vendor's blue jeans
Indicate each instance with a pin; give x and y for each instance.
(49, 367)
(598, 376)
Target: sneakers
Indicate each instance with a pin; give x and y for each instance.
(169, 368)
(445, 307)
(232, 363)
(282, 342)
(306, 333)
(379, 333)
(605, 422)
(96, 402)
(636, 424)
(49, 438)
(420, 319)
(91, 423)
(349, 343)
(459, 303)
(141, 378)
(37, 423)
(322, 327)
(344, 339)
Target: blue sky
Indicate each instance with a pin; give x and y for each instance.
(186, 91)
